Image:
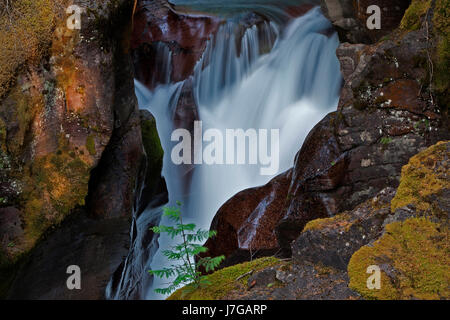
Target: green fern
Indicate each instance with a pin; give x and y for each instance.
(187, 272)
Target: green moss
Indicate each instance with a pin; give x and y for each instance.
(25, 33)
(421, 179)
(90, 145)
(339, 220)
(153, 149)
(417, 252)
(224, 281)
(413, 15)
(441, 59)
(386, 140)
(56, 184)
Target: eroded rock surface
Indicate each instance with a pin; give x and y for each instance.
(74, 154)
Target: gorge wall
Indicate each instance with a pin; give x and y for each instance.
(72, 154)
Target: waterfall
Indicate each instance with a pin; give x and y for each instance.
(274, 76)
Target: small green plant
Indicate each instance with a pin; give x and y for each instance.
(386, 140)
(187, 272)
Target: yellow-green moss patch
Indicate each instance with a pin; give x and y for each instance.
(441, 80)
(412, 18)
(57, 183)
(25, 32)
(153, 148)
(224, 281)
(416, 252)
(421, 178)
(90, 145)
(340, 220)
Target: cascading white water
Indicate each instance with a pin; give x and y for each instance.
(290, 87)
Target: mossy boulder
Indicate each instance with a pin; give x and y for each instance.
(425, 181)
(152, 144)
(225, 281)
(413, 15)
(332, 241)
(441, 28)
(414, 258)
(154, 189)
(413, 252)
(25, 31)
(58, 183)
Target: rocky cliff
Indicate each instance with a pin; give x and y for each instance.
(71, 147)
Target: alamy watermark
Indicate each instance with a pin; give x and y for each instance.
(228, 147)
(74, 280)
(374, 281)
(74, 20)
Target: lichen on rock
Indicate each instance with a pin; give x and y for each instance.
(414, 260)
(423, 179)
(413, 15)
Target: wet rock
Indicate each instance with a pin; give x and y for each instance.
(304, 282)
(114, 182)
(262, 279)
(332, 241)
(76, 151)
(245, 224)
(96, 246)
(155, 23)
(155, 190)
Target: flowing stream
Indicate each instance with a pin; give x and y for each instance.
(282, 76)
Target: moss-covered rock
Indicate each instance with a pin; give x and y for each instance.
(441, 80)
(224, 281)
(339, 220)
(414, 258)
(152, 145)
(413, 15)
(332, 241)
(424, 179)
(25, 32)
(57, 183)
(90, 145)
(154, 186)
(413, 252)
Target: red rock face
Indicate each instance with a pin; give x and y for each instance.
(186, 36)
(246, 223)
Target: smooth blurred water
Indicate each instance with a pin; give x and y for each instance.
(290, 85)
